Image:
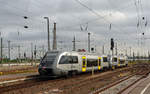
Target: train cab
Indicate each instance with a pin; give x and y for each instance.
(122, 61)
(113, 60)
(104, 62)
(59, 63)
(47, 63)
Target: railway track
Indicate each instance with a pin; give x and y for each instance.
(76, 86)
(142, 71)
(81, 84)
(27, 83)
(61, 83)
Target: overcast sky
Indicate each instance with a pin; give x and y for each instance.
(70, 16)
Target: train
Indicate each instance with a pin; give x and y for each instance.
(62, 63)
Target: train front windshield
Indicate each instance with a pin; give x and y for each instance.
(49, 58)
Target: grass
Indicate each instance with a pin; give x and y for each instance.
(18, 71)
(7, 61)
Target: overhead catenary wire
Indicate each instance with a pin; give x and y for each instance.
(30, 17)
(141, 25)
(97, 14)
(114, 8)
(102, 17)
(77, 24)
(90, 9)
(138, 19)
(29, 13)
(24, 12)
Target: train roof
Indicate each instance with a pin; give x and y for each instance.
(74, 52)
(80, 53)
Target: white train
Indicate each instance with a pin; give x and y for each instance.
(122, 61)
(57, 63)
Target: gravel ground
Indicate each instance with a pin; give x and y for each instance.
(80, 84)
(17, 72)
(17, 69)
(117, 88)
(17, 76)
(10, 68)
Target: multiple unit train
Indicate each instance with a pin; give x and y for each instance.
(56, 63)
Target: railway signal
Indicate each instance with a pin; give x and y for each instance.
(112, 44)
(112, 47)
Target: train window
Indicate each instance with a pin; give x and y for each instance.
(64, 60)
(68, 60)
(92, 62)
(83, 61)
(99, 62)
(122, 61)
(49, 58)
(74, 59)
(104, 59)
(114, 59)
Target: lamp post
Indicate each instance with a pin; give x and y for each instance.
(48, 39)
(9, 49)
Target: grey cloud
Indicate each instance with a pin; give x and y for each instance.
(69, 15)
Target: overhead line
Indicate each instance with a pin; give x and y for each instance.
(97, 14)
(92, 10)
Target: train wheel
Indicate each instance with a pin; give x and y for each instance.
(68, 75)
(72, 73)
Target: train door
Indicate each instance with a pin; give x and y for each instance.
(99, 63)
(83, 64)
(105, 62)
(118, 62)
